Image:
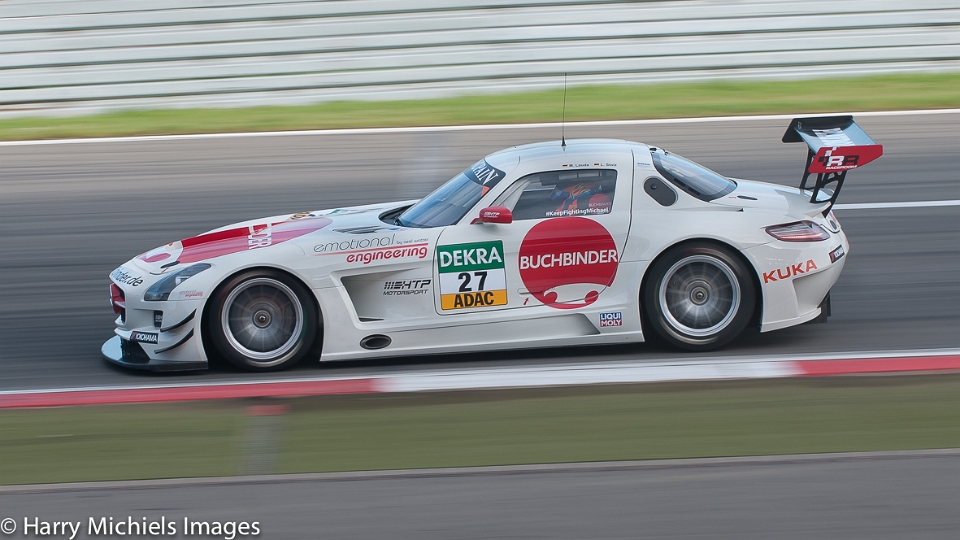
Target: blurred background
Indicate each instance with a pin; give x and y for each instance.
(70, 57)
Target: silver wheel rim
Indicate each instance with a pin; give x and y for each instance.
(262, 319)
(699, 295)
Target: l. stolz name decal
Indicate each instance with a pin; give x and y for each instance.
(472, 275)
(566, 262)
(569, 165)
(406, 287)
(121, 275)
(144, 337)
(611, 319)
(790, 271)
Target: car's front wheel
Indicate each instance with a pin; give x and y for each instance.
(699, 296)
(262, 320)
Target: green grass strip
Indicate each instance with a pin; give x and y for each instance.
(624, 423)
(598, 423)
(120, 442)
(889, 92)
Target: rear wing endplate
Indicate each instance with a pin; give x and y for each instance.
(836, 144)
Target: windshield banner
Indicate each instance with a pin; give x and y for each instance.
(484, 174)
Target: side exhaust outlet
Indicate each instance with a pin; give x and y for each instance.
(375, 341)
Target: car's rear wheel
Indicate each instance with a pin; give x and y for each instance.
(263, 320)
(699, 296)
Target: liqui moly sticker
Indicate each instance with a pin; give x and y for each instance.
(611, 319)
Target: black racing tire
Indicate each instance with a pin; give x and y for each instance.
(262, 320)
(699, 296)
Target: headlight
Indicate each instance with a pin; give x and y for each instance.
(161, 289)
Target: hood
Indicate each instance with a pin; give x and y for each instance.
(752, 195)
(264, 233)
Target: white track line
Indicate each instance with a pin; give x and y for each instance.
(911, 204)
(480, 127)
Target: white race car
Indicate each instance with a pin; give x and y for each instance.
(550, 244)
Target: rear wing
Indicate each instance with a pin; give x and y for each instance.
(836, 144)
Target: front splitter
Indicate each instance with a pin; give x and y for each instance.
(113, 351)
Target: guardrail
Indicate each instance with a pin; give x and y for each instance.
(83, 56)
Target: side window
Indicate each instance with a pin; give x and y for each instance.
(561, 193)
(691, 177)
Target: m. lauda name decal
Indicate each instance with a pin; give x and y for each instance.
(790, 271)
(602, 164)
(472, 275)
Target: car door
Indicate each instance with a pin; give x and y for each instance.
(562, 249)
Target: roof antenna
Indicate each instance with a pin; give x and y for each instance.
(563, 114)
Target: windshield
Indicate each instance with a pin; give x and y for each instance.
(451, 201)
(695, 179)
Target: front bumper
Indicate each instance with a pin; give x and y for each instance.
(157, 335)
(130, 354)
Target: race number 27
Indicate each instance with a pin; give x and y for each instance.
(465, 278)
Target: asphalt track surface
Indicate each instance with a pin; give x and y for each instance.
(71, 213)
(911, 495)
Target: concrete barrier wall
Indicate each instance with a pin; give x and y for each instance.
(84, 56)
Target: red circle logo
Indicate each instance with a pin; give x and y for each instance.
(566, 262)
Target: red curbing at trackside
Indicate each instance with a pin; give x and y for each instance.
(504, 377)
(878, 365)
(184, 393)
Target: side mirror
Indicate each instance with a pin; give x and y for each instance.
(494, 214)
